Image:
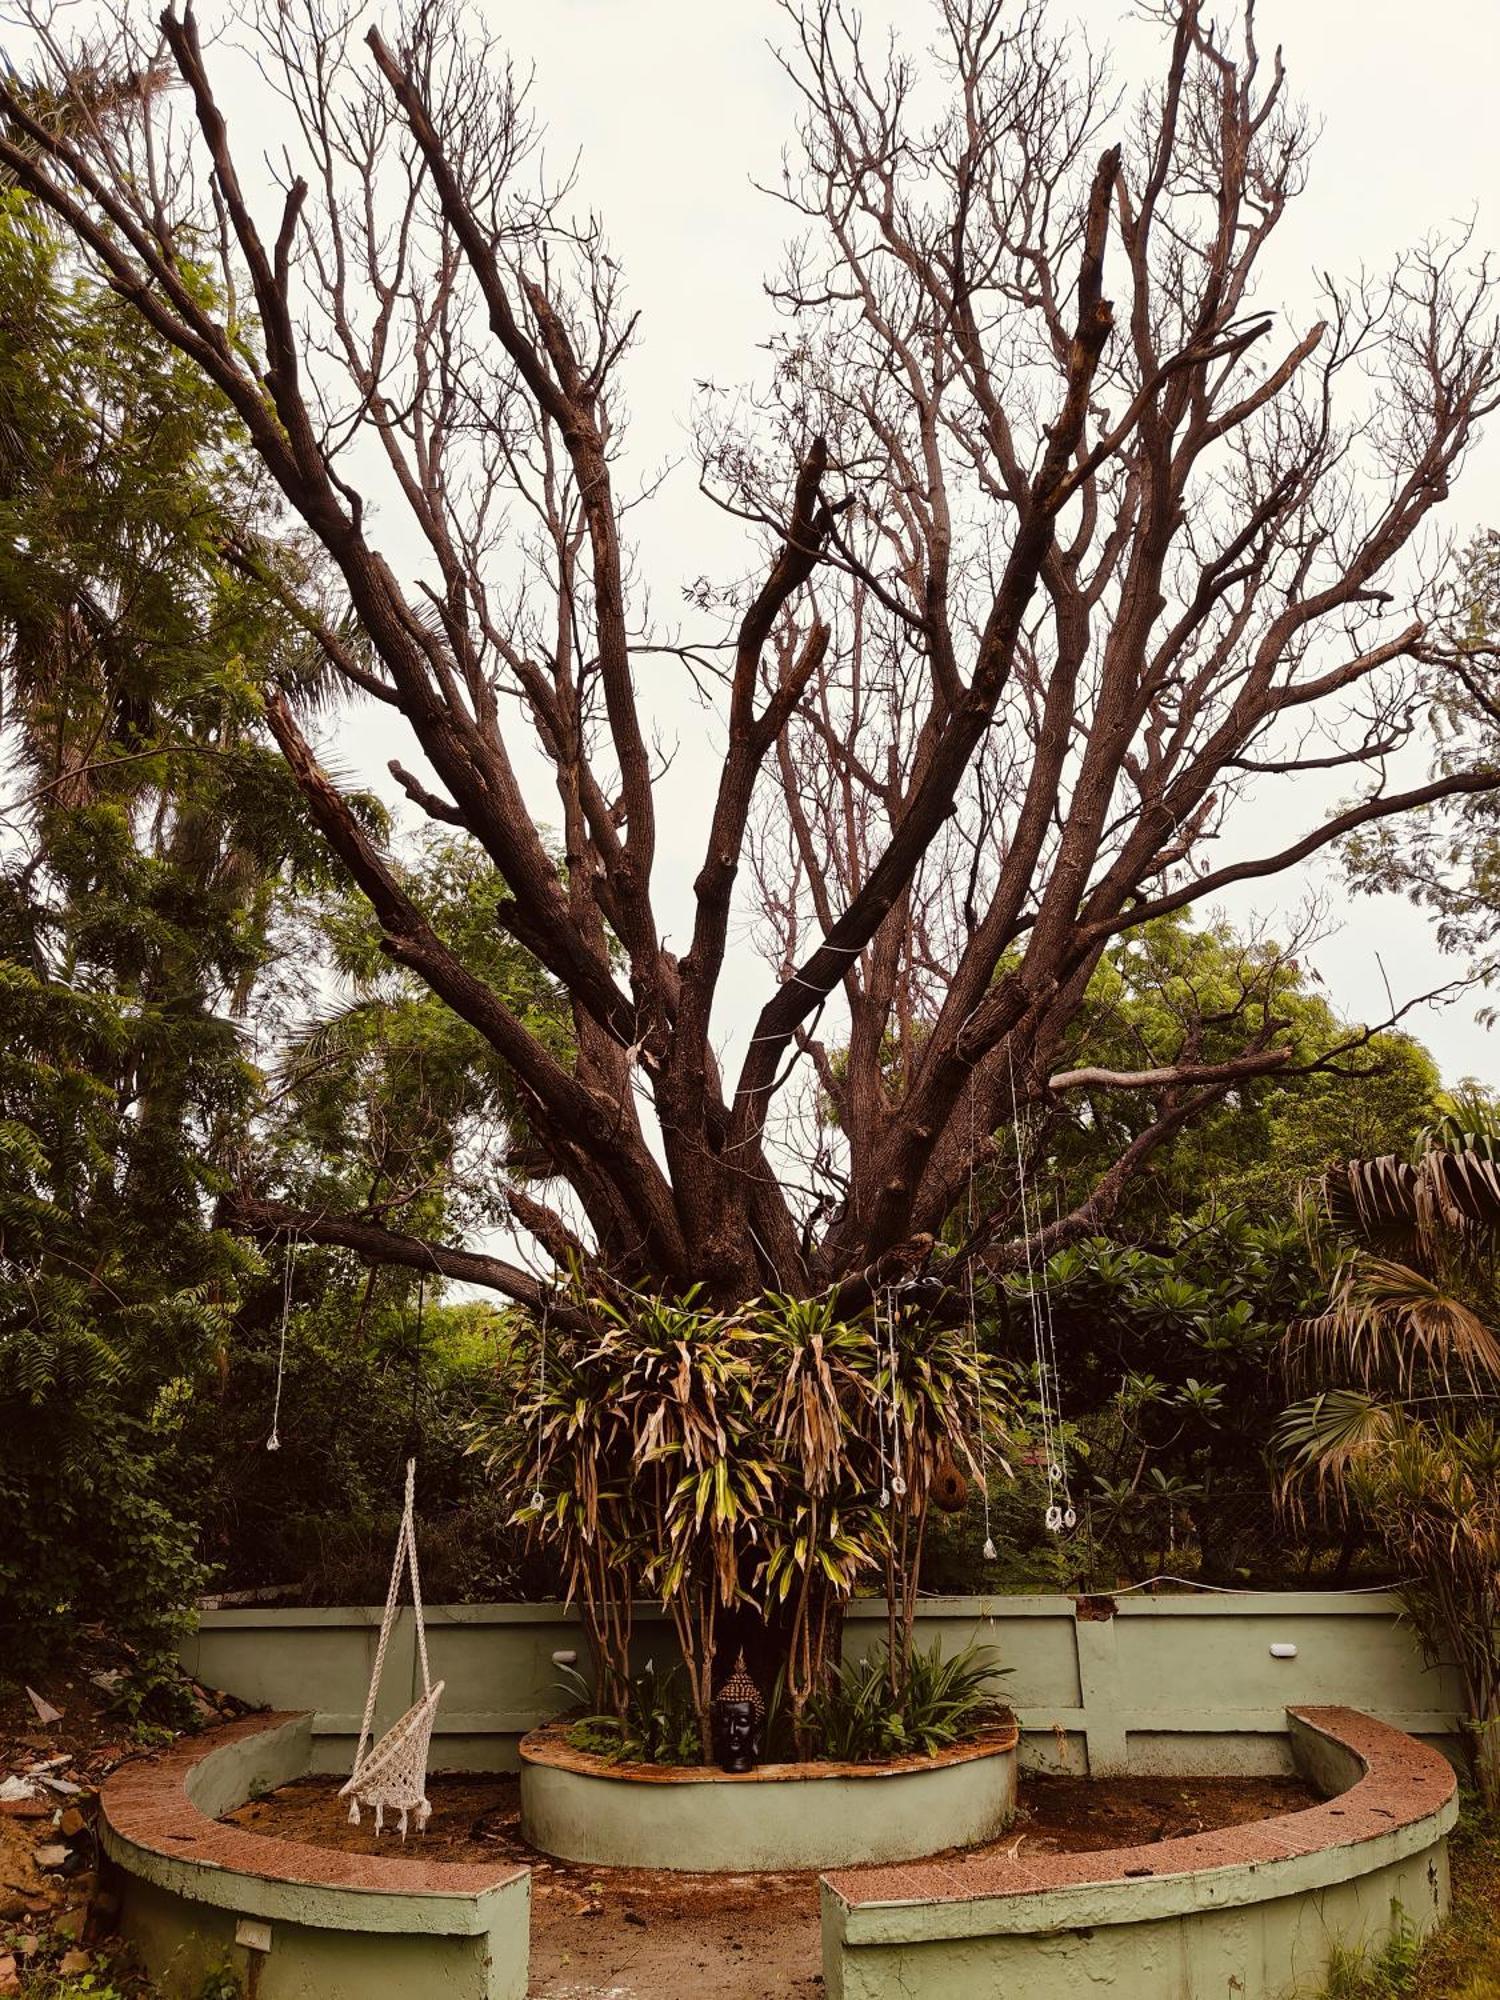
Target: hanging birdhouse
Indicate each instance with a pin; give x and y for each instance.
(950, 1490)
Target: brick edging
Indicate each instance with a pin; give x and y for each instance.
(146, 1803)
(1404, 1781)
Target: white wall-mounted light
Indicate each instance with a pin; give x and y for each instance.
(1283, 1651)
(565, 1657)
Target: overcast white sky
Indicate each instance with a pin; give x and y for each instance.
(676, 105)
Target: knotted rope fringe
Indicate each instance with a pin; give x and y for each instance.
(394, 1774)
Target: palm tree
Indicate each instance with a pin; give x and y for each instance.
(1408, 1441)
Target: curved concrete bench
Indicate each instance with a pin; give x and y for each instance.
(1247, 1913)
(780, 1816)
(290, 1918)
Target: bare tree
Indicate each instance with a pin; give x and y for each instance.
(1062, 542)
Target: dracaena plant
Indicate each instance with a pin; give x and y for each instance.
(768, 1464)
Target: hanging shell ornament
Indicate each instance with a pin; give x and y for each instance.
(991, 1554)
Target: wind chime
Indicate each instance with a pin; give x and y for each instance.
(1061, 1514)
(888, 1406)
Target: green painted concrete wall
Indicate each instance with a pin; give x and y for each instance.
(1261, 1951)
(764, 1823)
(182, 1941)
(325, 1943)
(1148, 1690)
(185, 1941)
(1245, 1931)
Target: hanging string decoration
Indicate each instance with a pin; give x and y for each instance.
(898, 1482)
(984, 1443)
(541, 1414)
(288, 1269)
(880, 1401)
(1061, 1513)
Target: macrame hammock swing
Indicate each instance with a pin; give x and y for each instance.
(391, 1776)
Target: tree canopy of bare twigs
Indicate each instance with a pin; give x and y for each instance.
(1060, 537)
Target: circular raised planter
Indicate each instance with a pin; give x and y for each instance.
(585, 1808)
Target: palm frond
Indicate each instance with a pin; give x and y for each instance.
(1385, 1318)
(1322, 1438)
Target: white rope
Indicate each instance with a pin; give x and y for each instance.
(394, 1773)
(984, 1453)
(1233, 1590)
(898, 1480)
(880, 1401)
(1044, 1342)
(541, 1412)
(273, 1442)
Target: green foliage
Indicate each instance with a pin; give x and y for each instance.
(134, 913)
(1405, 1437)
(75, 1986)
(318, 1518)
(389, 1094)
(159, 884)
(1446, 859)
(1166, 1357)
(868, 1713)
(658, 1725)
(1176, 992)
(733, 1466)
(1383, 1974)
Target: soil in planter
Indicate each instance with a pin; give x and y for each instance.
(1082, 1816)
(653, 1934)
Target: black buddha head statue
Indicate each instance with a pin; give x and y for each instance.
(738, 1715)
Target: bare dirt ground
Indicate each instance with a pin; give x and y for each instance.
(648, 1934)
(55, 1752)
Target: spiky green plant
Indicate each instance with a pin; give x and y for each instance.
(735, 1462)
(1408, 1442)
